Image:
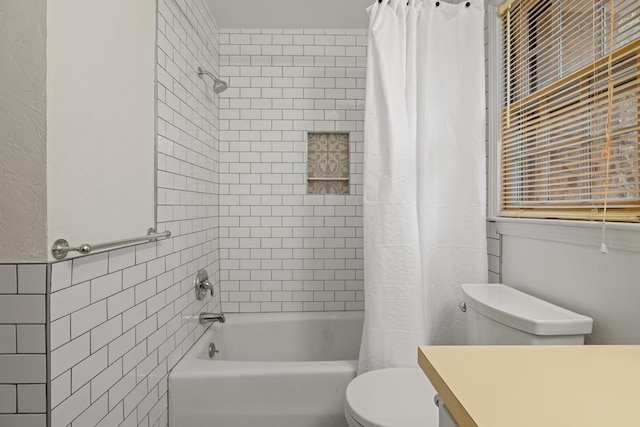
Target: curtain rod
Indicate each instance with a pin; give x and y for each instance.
(504, 7)
(467, 4)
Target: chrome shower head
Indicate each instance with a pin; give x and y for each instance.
(218, 85)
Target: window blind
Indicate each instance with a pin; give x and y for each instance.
(571, 114)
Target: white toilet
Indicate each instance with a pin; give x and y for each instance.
(496, 315)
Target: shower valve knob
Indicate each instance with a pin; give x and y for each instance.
(202, 285)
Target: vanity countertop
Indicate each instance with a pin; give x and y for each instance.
(536, 386)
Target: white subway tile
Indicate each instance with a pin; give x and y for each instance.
(32, 278)
(114, 418)
(68, 410)
(22, 309)
(60, 388)
(121, 389)
(69, 355)
(147, 403)
(122, 258)
(121, 345)
(103, 334)
(106, 379)
(133, 316)
(8, 339)
(134, 275)
(23, 420)
(22, 368)
(146, 365)
(88, 368)
(8, 279)
(145, 252)
(31, 339)
(493, 246)
(145, 290)
(135, 397)
(8, 398)
(146, 328)
(87, 318)
(61, 275)
(93, 414)
(120, 302)
(90, 267)
(105, 286)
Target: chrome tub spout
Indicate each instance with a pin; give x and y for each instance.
(212, 318)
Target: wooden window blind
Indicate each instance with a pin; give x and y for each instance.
(571, 112)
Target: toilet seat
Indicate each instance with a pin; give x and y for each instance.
(395, 397)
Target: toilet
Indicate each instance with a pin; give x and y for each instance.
(496, 315)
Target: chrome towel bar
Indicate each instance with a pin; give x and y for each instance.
(61, 247)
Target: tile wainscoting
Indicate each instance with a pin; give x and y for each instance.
(23, 345)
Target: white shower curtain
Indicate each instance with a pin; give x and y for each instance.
(424, 179)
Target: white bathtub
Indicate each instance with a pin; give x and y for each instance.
(273, 370)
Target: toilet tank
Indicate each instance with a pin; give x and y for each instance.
(498, 314)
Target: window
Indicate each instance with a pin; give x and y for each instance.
(571, 113)
(328, 163)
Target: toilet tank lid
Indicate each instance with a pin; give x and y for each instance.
(524, 312)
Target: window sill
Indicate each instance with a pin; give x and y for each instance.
(619, 236)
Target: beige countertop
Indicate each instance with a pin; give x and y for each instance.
(536, 386)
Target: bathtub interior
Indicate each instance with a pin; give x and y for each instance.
(279, 338)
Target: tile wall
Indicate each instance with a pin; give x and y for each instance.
(494, 248)
(121, 320)
(280, 248)
(23, 346)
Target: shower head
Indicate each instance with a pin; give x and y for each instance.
(218, 85)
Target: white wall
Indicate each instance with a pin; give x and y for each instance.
(577, 276)
(100, 119)
(308, 14)
(23, 132)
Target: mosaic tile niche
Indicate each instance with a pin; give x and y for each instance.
(327, 163)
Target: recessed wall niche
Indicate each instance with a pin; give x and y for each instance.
(327, 163)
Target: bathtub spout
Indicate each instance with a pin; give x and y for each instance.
(212, 318)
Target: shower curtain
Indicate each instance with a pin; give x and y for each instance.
(424, 177)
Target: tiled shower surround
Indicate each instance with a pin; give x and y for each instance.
(282, 249)
(122, 319)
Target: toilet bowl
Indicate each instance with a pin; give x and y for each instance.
(495, 315)
(400, 397)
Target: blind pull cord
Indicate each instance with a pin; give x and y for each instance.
(607, 148)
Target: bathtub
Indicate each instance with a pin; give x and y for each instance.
(273, 370)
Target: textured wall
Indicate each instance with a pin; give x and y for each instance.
(23, 399)
(23, 204)
(122, 319)
(100, 105)
(280, 248)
